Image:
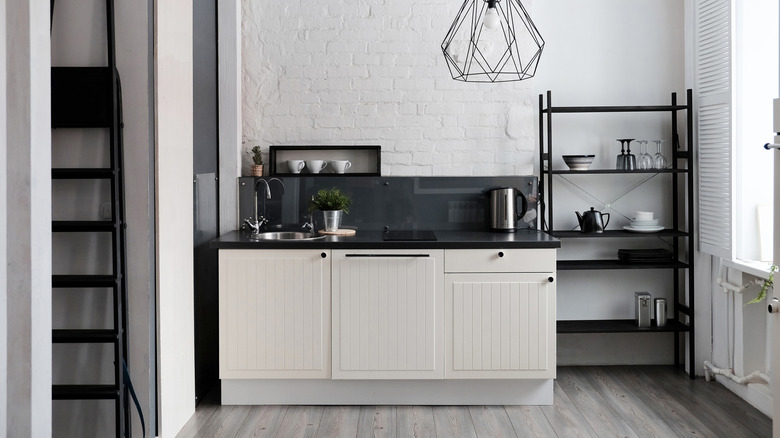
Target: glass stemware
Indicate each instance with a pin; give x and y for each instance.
(630, 158)
(659, 160)
(625, 161)
(645, 160)
(620, 163)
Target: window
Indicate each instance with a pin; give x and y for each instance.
(736, 76)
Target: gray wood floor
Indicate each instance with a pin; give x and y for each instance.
(589, 402)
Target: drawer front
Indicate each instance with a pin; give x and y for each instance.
(499, 260)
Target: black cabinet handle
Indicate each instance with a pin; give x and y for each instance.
(550, 279)
(387, 255)
(500, 253)
(323, 255)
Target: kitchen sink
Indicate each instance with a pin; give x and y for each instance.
(287, 235)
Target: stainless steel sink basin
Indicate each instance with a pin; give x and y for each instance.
(287, 235)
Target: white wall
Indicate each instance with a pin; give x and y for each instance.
(336, 72)
(174, 197)
(373, 73)
(25, 297)
(79, 39)
(610, 52)
(340, 72)
(3, 233)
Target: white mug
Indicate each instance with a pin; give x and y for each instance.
(340, 166)
(316, 165)
(295, 165)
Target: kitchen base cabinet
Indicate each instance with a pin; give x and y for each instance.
(387, 314)
(500, 314)
(500, 326)
(274, 314)
(429, 327)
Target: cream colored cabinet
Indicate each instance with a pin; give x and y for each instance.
(274, 314)
(500, 314)
(388, 314)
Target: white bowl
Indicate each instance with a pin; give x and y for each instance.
(578, 162)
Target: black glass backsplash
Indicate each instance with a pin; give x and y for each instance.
(439, 203)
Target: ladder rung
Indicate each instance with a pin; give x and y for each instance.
(84, 281)
(77, 173)
(81, 226)
(93, 336)
(84, 392)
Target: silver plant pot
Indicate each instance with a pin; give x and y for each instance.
(332, 219)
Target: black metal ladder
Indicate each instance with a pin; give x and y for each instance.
(88, 98)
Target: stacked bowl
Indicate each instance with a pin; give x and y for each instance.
(643, 222)
(578, 162)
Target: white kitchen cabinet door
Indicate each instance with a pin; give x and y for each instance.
(274, 314)
(388, 314)
(500, 326)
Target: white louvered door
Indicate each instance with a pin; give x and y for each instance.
(714, 75)
(499, 325)
(387, 314)
(274, 314)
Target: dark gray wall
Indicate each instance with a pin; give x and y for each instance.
(204, 98)
(206, 200)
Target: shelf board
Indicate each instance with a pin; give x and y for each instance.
(613, 171)
(616, 233)
(573, 265)
(617, 326)
(613, 109)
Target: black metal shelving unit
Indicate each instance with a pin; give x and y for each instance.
(91, 98)
(681, 321)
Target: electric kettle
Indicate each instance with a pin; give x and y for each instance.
(504, 214)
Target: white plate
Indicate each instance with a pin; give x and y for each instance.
(643, 229)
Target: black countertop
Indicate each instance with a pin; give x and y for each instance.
(372, 239)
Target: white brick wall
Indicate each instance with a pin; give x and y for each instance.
(372, 72)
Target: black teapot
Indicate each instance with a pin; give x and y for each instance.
(592, 221)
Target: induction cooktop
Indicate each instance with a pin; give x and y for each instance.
(409, 235)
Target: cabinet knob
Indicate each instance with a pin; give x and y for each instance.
(323, 255)
(550, 279)
(500, 253)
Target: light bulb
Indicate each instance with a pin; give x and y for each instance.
(491, 20)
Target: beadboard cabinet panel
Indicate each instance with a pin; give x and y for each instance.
(500, 326)
(387, 314)
(274, 314)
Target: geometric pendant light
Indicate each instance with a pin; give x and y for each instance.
(492, 41)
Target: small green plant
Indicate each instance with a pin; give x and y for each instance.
(769, 282)
(257, 157)
(330, 199)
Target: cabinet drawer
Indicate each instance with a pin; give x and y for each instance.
(499, 260)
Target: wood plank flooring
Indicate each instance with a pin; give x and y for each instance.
(644, 401)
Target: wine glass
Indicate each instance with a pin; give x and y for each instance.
(645, 160)
(659, 160)
(620, 163)
(630, 163)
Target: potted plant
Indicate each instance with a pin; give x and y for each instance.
(333, 203)
(257, 168)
